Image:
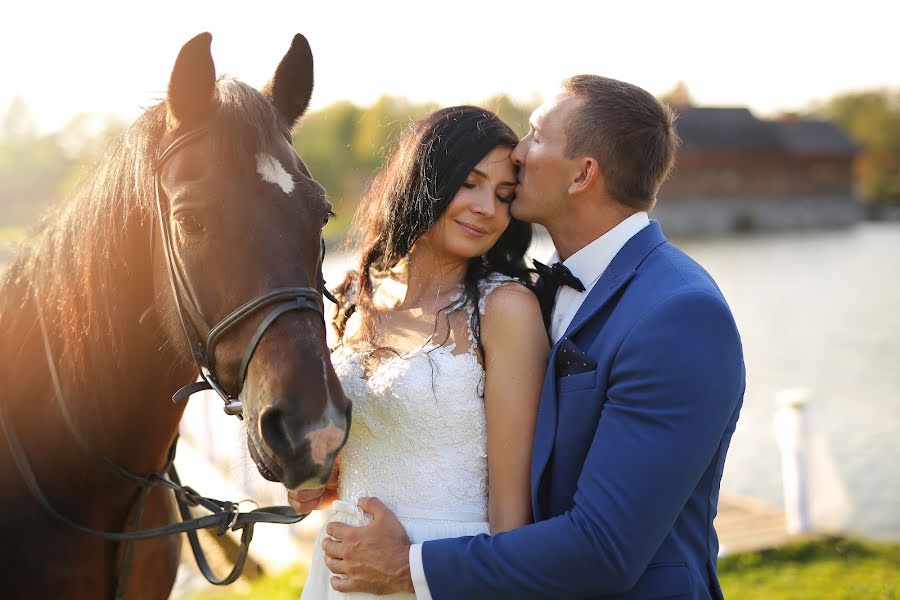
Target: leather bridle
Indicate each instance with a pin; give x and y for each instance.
(284, 299)
(224, 515)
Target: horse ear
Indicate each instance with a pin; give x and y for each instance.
(192, 87)
(291, 86)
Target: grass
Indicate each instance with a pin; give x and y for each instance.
(830, 568)
(286, 586)
(833, 568)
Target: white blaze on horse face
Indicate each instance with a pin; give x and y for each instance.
(327, 435)
(271, 171)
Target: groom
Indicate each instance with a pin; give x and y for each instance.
(643, 388)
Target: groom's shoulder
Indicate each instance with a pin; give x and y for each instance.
(669, 274)
(671, 287)
(671, 270)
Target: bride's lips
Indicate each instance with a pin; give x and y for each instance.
(472, 229)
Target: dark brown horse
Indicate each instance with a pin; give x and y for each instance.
(89, 297)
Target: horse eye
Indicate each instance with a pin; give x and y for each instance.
(189, 223)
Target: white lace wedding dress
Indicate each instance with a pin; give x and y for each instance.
(418, 442)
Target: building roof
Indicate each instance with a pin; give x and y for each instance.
(737, 129)
(814, 135)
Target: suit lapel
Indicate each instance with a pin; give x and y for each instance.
(620, 271)
(617, 274)
(545, 431)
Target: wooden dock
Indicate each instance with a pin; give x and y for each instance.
(746, 524)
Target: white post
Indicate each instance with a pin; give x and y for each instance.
(792, 433)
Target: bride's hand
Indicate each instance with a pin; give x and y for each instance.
(305, 501)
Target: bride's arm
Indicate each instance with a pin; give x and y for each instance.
(515, 346)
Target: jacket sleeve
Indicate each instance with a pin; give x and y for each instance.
(674, 385)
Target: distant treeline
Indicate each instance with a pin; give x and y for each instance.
(872, 118)
(38, 169)
(344, 144)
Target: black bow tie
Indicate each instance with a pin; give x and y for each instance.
(549, 281)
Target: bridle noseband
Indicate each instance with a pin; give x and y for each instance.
(284, 299)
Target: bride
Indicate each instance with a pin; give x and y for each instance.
(441, 345)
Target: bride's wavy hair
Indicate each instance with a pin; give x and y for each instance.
(409, 195)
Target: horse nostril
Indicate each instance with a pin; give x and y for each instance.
(273, 430)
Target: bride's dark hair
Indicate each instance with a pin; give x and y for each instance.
(406, 198)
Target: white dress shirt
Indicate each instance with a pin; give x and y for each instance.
(588, 264)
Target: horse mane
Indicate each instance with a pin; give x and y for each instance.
(74, 260)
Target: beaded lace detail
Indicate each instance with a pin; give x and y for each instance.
(418, 438)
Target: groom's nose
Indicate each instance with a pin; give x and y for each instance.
(518, 154)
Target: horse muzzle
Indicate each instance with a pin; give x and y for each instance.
(298, 456)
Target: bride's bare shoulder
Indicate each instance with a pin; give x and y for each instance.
(511, 308)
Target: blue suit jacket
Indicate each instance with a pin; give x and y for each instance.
(627, 458)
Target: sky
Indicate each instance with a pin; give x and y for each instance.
(65, 58)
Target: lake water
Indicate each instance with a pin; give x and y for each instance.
(819, 311)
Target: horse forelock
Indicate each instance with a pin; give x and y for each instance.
(244, 125)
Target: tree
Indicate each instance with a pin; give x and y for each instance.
(679, 97)
(32, 166)
(515, 114)
(344, 144)
(17, 126)
(872, 118)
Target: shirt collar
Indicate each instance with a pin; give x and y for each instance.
(589, 263)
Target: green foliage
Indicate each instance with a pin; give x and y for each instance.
(343, 145)
(286, 586)
(37, 169)
(515, 114)
(833, 568)
(872, 118)
(31, 166)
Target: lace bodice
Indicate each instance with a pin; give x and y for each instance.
(418, 438)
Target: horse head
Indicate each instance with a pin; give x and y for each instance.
(241, 216)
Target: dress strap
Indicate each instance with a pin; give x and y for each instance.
(486, 287)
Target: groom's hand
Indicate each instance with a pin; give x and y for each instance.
(373, 558)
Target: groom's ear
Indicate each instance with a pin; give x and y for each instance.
(586, 177)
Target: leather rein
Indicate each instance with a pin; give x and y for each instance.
(224, 515)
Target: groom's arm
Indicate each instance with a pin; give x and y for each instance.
(674, 387)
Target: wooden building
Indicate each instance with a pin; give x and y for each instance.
(735, 171)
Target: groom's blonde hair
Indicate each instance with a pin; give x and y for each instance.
(630, 133)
